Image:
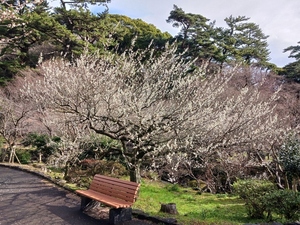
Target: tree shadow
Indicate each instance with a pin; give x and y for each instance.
(72, 215)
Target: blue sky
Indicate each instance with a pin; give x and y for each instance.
(280, 19)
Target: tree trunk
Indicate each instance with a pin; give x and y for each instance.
(13, 156)
(135, 173)
(286, 181)
(295, 182)
(169, 208)
(66, 169)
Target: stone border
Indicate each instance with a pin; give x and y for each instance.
(139, 214)
(38, 172)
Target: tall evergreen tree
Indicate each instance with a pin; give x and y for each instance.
(248, 41)
(195, 33)
(241, 41)
(292, 70)
(34, 27)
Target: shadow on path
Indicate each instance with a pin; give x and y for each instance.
(28, 200)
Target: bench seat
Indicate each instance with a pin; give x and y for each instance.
(107, 200)
(110, 191)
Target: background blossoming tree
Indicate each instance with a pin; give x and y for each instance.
(154, 105)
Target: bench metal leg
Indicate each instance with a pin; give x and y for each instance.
(117, 216)
(84, 202)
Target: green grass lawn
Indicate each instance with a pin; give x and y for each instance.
(193, 208)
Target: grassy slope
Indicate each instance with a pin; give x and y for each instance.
(193, 208)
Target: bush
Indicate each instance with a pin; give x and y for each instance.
(253, 192)
(24, 156)
(284, 203)
(173, 187)
(98, 147)
(45, 145)
(111, 168)
(83, 173)
(289, 157)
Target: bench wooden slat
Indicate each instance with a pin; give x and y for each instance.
(112, 191)
(115, 193)
(108, 200)
(115, 187)
(111, 180)
(129, 187)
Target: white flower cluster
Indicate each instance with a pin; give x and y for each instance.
(159, 106)
(7, 14)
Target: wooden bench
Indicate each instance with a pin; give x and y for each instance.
(113, 192)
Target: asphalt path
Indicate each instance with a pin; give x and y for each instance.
(27, 199)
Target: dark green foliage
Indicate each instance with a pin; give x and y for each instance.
(294, 51)
(253, 192)
(292, 70)
(36, 140)
(123, 30)
(264, 199)
(99, 147)
(196, 33)
(69, 32)
(284, 203)
(8, 68)
(104, 167)
(85, 28)
(83, 173)
(245, 41)
(173, 187)
(32, 29)
(44, 144)
(289, 156)
(83, 3)
(24, 156)
(241, 41)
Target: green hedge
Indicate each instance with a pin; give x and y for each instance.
(253, 192)
(263, 199)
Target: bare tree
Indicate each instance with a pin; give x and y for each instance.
(14, 113)
(153, 105)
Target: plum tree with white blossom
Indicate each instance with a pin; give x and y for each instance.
(155, 105)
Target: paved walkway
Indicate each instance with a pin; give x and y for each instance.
(27, 199)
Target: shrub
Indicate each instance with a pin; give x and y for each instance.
(283, 202)
(253, 192)
(24, 156)
(99, 147)
(289, 157)
(173, 187)
(45, 146)
(112, 168)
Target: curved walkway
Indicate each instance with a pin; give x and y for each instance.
(29, 199)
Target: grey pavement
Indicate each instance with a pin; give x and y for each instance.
(27, 199)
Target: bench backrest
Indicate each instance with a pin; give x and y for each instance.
(122, 189)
